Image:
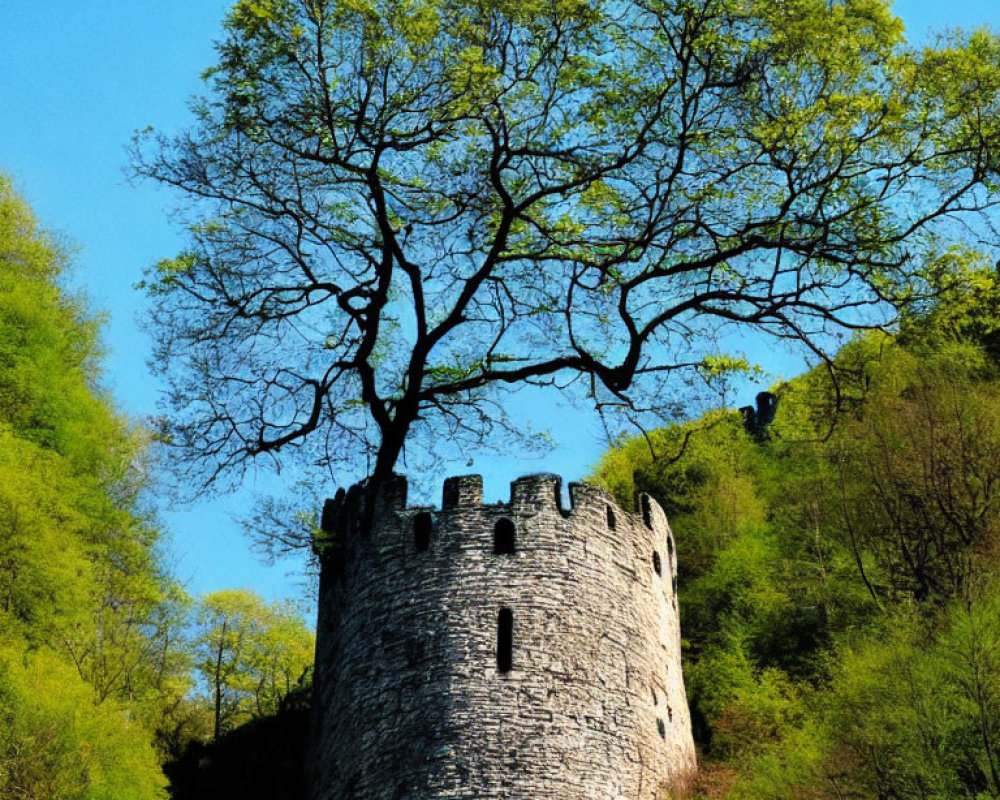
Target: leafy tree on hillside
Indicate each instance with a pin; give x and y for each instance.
(919, 472)
(56, 743)
(399, 210)
(89, 642)
(250, 655)
(839, 607)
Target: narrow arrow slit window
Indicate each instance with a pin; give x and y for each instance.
(505, 640)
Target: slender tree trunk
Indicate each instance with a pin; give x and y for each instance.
(218, 682)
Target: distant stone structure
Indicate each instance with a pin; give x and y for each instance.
(518, 650)
(757, 420)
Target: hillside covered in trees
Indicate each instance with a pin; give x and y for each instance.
(839, 568)
(107, 668)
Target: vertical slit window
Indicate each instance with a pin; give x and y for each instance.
(647, 511)
(505, 640)
(565, 512)
(657, 567)
(423, 525)
(612, 522)
(504, 537)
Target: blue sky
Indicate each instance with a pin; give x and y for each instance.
(76, 80)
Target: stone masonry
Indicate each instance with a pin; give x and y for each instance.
(518, 650)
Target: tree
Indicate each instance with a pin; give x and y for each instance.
(56, 742)
(250, 655)
(918, 472)
(89, 651)
(400, 209)
(912, 712)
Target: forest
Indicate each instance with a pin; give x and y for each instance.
(839, 571)
(108, 668)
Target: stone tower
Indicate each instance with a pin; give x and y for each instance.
(518, 650)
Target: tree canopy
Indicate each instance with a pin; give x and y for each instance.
(397, 209)
(250, 655)
(89, 662)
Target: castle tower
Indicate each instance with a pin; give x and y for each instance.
(518, 650)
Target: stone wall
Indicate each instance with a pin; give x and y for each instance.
(411, 701)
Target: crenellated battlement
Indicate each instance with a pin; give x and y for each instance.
(461, 492)
(346, 517)
(520, 649)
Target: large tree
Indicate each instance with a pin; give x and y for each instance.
(399, 208)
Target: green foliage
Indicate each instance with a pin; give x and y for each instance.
(56, 743)
(90, 661)
(919, 470)
(964, 309)
(912, 713)
(903, 717)
(250, 655)
(840, 601)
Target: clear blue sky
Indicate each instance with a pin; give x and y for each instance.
(76, 80)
